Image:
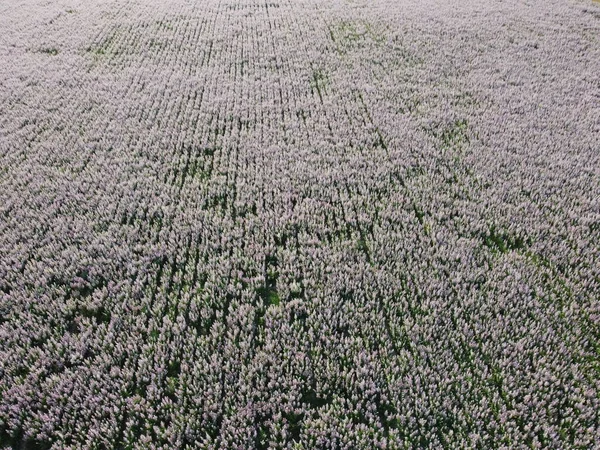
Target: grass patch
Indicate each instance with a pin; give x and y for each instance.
(455, 134)
(319, 81)
(49, 51)
(503, 242)
(269, 296)
(348, 33)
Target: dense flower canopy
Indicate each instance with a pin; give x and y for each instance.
(300, 224)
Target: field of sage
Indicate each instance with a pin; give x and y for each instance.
(299, 224)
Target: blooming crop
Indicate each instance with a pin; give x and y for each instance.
(300, 224)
